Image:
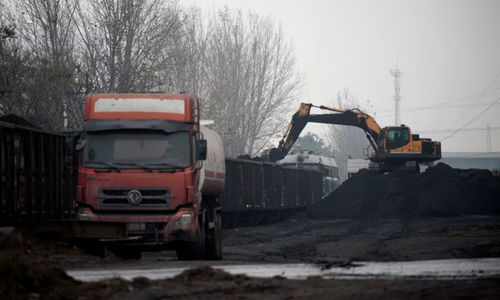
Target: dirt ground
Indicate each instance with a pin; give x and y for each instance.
(208, 283)
(300, 239)
(30, 267)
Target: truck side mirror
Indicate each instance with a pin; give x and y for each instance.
(201, 149)
(80, 144)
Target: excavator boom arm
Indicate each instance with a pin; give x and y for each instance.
(342, 117)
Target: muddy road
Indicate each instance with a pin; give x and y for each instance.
(300, 239)
(331, 244)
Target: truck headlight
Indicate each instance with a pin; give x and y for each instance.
(84, 215)
(184, 222)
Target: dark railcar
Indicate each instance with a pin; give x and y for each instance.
(38, 175)
(261, 192)
(273, 189)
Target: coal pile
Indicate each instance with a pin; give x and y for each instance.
(441, 191)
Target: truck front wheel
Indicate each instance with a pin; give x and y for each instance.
(193, 250)
(214, 242)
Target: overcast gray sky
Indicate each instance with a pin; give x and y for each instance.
(447, 49)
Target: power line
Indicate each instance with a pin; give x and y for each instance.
(465, 112)
(463, 130)
(470, 136)
(444, 103)
(467, 105)
(473, 119)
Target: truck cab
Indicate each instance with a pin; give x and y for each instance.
(146, 162)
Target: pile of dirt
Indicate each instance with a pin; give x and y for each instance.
(21, 277)
(441, 191)
(207, 273)
(50, 251)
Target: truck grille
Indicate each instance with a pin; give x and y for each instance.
(149, 197)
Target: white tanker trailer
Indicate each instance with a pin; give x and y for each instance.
(213, 172)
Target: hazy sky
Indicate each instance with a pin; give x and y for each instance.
(448, 50)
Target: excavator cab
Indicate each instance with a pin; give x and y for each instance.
(393, 138)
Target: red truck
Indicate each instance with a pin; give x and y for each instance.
(145, 161)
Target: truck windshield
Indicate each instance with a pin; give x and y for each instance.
(138, 149)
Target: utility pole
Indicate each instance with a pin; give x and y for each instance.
(488, 137)
(397, 73)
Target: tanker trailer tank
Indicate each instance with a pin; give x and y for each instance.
(213, 172)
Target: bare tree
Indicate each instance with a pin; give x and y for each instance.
(241, 66)
(46, 29)
(125, 44)
(311, 142)
(347, 141)
(250, 79)
(10, 61)
(14, 76)
(186, 70)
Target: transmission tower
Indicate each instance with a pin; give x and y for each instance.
(488, 138)
(397, 73)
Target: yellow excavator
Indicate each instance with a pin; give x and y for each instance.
(394, 146)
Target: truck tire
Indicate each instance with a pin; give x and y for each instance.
(214, 243)
(193, 250)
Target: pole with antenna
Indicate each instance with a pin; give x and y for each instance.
(397, 73)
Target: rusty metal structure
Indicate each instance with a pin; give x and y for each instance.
(37, 175)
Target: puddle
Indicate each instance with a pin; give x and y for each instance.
(424, 269)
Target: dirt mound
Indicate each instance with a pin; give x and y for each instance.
(207, 273)
(438, 192)
(47, 250)
(20, 277)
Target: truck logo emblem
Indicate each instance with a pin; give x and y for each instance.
(134, 197)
